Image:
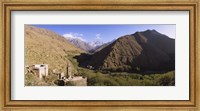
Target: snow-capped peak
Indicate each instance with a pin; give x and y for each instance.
(96, 43)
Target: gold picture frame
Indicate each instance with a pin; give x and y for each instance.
(96, 5)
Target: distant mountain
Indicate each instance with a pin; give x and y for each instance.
(139, 52)
(99, 47)
(80, 44)
(43, 46)
(87, 46)
(96, 43)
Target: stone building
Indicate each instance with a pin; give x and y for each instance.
(39, 69)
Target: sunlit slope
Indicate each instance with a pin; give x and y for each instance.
(43, 46)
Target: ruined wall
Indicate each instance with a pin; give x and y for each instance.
(77, 82)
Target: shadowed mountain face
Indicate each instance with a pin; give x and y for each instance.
(147, 51)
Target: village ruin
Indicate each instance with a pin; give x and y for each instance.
(70, 78)
(41, 70)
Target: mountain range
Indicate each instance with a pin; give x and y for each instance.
(87, 46)
(147, 51)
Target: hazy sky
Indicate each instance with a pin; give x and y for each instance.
(106, 33)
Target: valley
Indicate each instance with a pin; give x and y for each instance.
(144, 58)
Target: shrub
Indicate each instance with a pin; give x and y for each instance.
(167, 79)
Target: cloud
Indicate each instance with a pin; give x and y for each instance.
(73, 35)
(98, 36)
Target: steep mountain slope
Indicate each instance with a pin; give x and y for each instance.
(141, 51)
(45, 46)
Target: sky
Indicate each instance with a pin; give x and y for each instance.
(107, 33)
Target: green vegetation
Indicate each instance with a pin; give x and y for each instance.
(106, 78)
(96, 78)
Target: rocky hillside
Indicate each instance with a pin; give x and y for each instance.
(147, 51)
(45, 46)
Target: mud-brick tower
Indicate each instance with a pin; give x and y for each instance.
(69, 74)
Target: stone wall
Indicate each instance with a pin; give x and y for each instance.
(77, 81)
